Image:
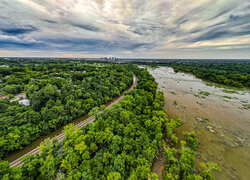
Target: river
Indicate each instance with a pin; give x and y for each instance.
(202, 105)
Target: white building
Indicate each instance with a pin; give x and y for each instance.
(24, 102)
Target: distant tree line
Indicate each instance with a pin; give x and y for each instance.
(232, 74)
(235, 74)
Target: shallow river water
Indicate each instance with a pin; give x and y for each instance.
(219, 117)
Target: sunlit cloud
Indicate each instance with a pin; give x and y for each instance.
(135, 28)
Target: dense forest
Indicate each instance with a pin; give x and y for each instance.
(57, 92)
(121, 143)
(232, 74)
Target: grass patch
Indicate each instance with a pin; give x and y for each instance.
(175, 102)
(244, 101)
(204, 93)
(246, 106)
(227, 97)
(173, 93)
(205, 120)
(199, 96)
(229, 91)
(199, 103)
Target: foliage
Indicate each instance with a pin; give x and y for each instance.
(120, 144)
(192, 140)
(180, 164)
(204, 93)
(58, 92)
(208, 169)
(170, 131)
(12, 89)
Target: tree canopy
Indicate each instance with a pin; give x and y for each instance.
(58, 93)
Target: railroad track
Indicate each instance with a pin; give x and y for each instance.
(60, 137)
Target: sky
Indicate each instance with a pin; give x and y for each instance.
(189, 29)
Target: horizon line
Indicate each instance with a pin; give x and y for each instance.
(125, 58)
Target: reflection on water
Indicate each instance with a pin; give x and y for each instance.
(220, 119)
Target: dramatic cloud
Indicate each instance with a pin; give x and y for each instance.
(126, 28)
(13, 30)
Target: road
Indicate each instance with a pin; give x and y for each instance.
(60, 137)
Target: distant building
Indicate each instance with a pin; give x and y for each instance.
(112, 59)
(24, 102)
(22, 95)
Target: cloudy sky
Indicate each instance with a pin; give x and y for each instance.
(125, 28)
